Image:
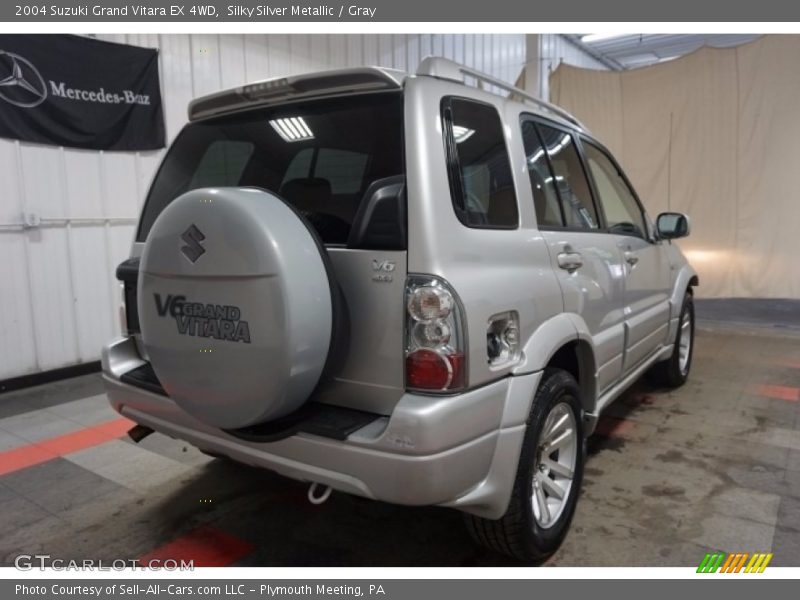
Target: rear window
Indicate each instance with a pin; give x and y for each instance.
(320, 156)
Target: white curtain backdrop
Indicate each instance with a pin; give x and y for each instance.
(715, 134)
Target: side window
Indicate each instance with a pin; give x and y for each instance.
(545, 196)
(570, 179)
(479, 170)
(621, 209)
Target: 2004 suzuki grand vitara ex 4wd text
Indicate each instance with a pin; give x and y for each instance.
(402, 287)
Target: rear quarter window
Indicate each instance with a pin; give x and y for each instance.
(479, 171)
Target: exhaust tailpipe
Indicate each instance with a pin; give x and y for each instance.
(138, 432)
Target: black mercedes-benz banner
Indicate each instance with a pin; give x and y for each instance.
(68, 90)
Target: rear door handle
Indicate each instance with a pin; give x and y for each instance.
(631, 258)
(570, 261)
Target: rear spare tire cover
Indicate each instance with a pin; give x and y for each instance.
(235, 305)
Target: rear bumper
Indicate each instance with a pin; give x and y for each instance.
(458, 451)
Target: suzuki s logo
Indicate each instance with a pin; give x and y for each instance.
(193, 248)
(21, 84)
(383, 270)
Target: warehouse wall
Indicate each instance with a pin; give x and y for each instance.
(58, 298)
(555, 50)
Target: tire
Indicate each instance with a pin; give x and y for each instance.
(520, 533)
(674, 371)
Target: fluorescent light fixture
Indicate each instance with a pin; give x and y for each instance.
(599, 37)
(461, 133)
(292, 129)
(647, 58)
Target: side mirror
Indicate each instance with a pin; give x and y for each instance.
(672, 225)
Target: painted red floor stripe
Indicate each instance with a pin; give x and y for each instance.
(21, 458)
(44, 450)
(116, 428)
(206, 546)
(777, 392)
(792, 363)
(611, 427)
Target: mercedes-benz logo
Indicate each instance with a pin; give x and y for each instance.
(21, 84)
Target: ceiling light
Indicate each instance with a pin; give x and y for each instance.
(461, 133)
(647, 58)
(292, 129)
(599, 37)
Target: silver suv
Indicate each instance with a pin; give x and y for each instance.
(408, 288)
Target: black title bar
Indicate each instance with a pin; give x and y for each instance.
(473, 11)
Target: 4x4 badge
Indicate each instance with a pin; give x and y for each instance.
(193, 249)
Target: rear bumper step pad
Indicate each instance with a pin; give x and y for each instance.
(324, 420)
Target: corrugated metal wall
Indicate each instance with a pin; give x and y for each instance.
(553, 50)
(58, 296)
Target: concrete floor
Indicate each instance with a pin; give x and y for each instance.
(714, 465)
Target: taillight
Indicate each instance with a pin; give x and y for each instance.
(435, 338)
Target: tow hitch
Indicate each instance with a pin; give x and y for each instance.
(315, 498)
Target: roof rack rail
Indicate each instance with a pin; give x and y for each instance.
(443, 68)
